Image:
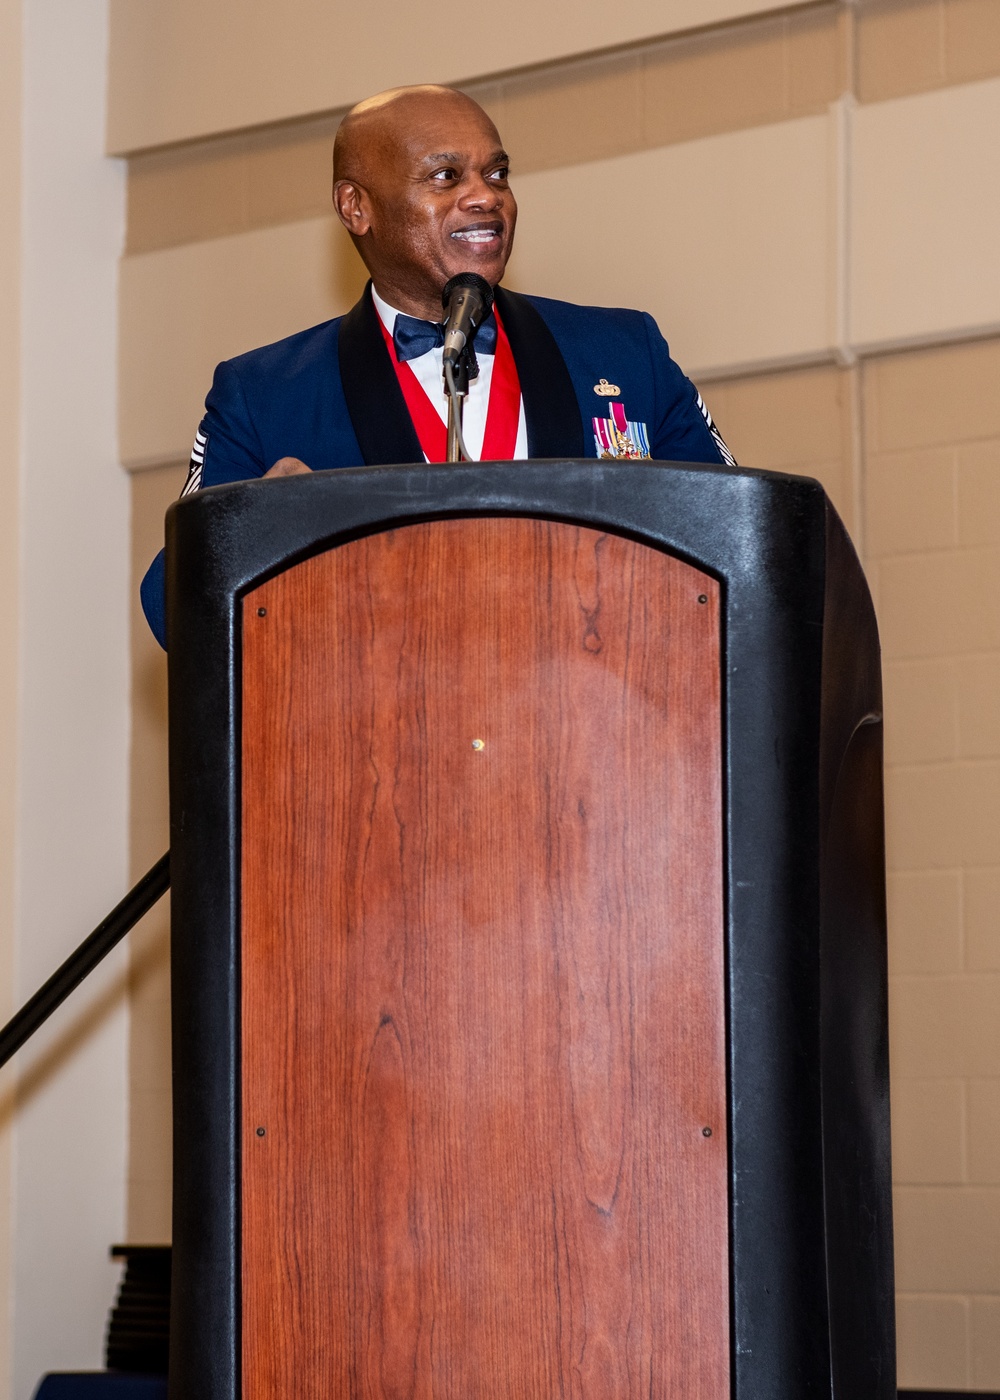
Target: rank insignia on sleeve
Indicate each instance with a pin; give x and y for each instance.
(615, 437)
(606, 390)
(196, 466)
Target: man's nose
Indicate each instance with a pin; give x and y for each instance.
(480, 193)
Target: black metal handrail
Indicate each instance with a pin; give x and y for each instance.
(93, 950)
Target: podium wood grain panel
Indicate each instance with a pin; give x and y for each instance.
(482, 971)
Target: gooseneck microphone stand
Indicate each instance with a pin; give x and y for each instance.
(457, 382)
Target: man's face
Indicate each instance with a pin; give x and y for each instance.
(433, 200)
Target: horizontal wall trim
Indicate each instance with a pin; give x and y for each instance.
(847, 357)
(962, 335)
(309, 57)
(155, 464)
(749, 369)
(891, 50)
(630, 97)
(625, 99)
(527, 73)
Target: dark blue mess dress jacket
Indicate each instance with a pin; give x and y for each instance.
(329, 396)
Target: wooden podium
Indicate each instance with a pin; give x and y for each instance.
(528, 939)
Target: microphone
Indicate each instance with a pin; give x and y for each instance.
(468, 300)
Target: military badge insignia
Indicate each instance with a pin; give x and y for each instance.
(615, 437)
(606, 390)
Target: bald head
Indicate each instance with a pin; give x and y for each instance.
(380, 123)
(420, 183)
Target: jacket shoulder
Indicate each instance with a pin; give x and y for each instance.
(285, 399)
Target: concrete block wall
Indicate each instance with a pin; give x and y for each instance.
(916, 473)
(933, 543)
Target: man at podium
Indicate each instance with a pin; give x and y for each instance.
(527, 861)
(421, 184)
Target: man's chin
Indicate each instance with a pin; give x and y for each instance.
(491, 267)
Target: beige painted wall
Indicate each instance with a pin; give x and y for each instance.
(183, 69)
(925, 202)
(932, 492)
(734, 251)
(813, 186)
(150, 1127)
(209, 301)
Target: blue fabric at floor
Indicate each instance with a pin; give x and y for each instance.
(101, 1385)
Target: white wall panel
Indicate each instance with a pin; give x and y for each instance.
(925, 251)
(245, 62)
(728, 241)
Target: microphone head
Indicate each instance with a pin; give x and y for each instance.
(474, 283)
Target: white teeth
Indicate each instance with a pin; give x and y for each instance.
(475, 235)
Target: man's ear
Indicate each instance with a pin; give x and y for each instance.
(351, 204)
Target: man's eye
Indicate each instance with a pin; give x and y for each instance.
(500, 174)
(443, 175)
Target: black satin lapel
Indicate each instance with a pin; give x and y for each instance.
(375, 402)
(551, 411)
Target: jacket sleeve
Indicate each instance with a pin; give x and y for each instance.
(153, 597)
(683, 430)
(226, 448)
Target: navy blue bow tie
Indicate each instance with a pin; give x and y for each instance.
(413, 337)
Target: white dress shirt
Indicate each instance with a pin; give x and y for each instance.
(429, 371)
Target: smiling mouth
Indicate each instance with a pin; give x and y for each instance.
(478, 234)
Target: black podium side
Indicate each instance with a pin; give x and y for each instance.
(810, 1226)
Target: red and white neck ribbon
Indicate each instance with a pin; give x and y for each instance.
(502, 414)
